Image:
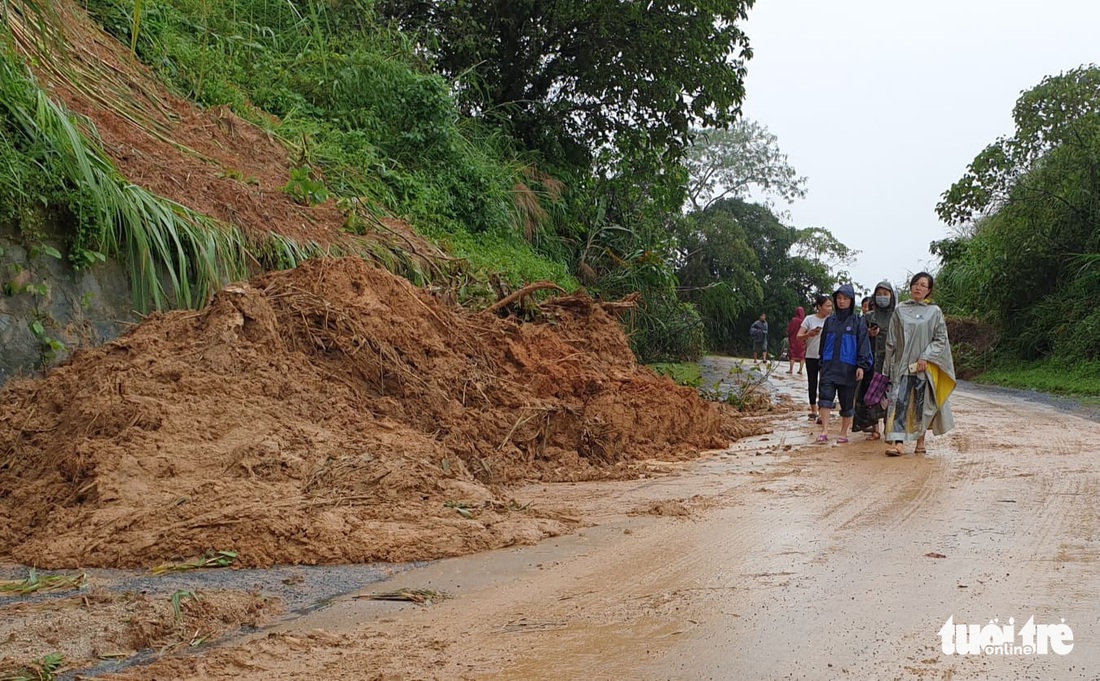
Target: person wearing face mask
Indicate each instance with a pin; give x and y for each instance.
(845, 356)
(878, 326)
(921, 369)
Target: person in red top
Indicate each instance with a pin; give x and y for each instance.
(797, 345)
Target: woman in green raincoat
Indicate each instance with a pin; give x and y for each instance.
(921, 370)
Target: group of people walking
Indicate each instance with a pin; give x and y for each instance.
(885, 362)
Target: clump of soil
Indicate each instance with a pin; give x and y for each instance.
(675, 508)
(103, 625)
(332, 413)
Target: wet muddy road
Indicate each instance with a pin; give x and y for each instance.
(776, 559)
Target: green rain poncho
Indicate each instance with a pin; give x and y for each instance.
(918, 401)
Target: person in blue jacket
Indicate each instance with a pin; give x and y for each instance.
(845, 356)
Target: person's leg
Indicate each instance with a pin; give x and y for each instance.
(847, 395)
(801, 361)
(811, 383)
(920, 446)
(790, 364)
(825, 403)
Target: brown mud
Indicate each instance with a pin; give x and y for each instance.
(332, 413)
(811, 562)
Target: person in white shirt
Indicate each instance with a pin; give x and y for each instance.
(810, 332)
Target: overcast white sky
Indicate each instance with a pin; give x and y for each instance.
(882, 104)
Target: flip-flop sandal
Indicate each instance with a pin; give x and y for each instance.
(812, 417)
(920, 450)
(822, 439)
(842, 440)
(892, 451)
(874, 436)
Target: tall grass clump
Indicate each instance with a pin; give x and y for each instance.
(352, 98)
(176, 256)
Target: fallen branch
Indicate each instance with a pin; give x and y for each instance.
(525, 291)
(422, 596)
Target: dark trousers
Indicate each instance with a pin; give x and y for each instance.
(813, 367)
(831, 393)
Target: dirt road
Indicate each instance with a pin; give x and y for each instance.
(776, 559)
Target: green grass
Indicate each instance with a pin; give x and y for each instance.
(1079, 379)
(684, 373)
(159, 239)
(509, 254)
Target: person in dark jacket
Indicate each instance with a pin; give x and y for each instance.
(758, 332)
(878, 326)
(845, 356)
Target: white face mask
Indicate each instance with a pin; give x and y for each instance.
(882, 301)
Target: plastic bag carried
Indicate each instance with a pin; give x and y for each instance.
(905, 417)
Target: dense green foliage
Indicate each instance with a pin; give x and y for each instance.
(534, 140)
(738, 260)
(370, 116)
(173, 253)
(1051, 375)
(348, 95)
(590, 82)
(1027, 255)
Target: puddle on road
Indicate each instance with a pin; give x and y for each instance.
(301, 590)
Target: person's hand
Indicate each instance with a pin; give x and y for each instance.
(922, 364)
(816, 331)
(873, 331)
(859, 374)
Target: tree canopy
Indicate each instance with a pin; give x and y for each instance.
(737, 259)
(570, 78)
(729, 162)
(1027, 256)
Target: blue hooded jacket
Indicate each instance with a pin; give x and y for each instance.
(844, 343)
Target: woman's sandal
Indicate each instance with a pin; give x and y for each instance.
(842, 440)
(920, 450)
(874, 436)
(822, 439)
(893, 451)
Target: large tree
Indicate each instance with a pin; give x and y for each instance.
(1028, 254)
(734, 161)
(570, 78)
(737, 259)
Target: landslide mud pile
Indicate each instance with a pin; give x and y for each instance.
(332, 413)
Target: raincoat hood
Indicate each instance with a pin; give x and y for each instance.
(847, 290)
(893, 296)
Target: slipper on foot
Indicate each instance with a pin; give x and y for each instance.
(893, 452)
(822, 439)
(842, 440)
